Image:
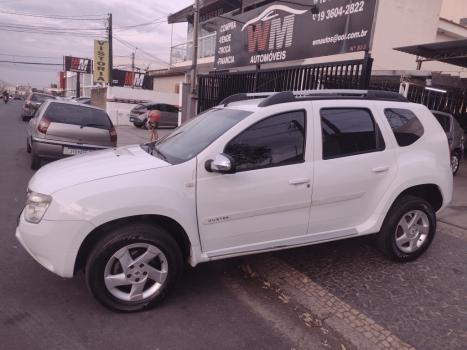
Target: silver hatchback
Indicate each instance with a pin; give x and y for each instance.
(60, 129)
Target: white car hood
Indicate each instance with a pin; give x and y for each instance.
(92, 166)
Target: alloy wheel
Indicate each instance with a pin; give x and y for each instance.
(412, 231)
(136, 272)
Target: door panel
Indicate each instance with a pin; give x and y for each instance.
(266, 202)
(347, 188)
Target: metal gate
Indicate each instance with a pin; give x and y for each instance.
(452, 100)
(214, 87)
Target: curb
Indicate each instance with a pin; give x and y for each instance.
(346, 323)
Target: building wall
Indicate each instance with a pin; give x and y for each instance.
(168, 84)
(454, 10)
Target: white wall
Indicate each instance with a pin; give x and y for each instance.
(454, 10)
(119, 112)
(169, 83)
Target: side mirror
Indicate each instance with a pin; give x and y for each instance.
(223, 163)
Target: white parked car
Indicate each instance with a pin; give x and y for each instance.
(260, 172)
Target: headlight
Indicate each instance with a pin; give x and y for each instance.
(36, 206)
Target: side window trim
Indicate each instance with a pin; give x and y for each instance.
(380, 141)
(303, 110)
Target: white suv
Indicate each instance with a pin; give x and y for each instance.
(260, 172)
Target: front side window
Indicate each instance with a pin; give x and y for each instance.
(349, 131)
(275, 141)
(405, 125)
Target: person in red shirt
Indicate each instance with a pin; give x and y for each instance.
(154, 117)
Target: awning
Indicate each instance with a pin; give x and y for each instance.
(452, 52)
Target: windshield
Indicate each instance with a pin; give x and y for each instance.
(191, 138)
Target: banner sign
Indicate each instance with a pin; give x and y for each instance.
(75, 64)
(281, 32)
(126, 78)
(101, 62)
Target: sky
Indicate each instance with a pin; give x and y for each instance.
(153, 41)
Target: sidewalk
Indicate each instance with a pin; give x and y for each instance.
(350, 289)
(130, 135)
(456, 213)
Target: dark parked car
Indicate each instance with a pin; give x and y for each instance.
(456, 138)
(60, 129)
(32, 103)
(168, 113)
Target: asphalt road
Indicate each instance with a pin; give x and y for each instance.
(213, 307)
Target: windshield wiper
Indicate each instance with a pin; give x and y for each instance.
(155, 149)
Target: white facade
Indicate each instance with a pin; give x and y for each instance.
(85, 84)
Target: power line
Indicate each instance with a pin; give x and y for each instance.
(26, 56)
(48, 32)
(156, 21)
(126, 43)
(39, 27)
(32, 63)
(72, 18)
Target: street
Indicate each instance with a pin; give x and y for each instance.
(423, 304)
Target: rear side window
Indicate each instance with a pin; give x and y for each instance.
(77, 115)
(275, 141)
(405, 125)
(349, 131)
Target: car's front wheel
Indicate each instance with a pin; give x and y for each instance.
(133, 267)
(408, 229)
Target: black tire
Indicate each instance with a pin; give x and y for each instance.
(137, 125)
(28, 146)
(458, 159)
(116, 239)
(386, 238)
(35, 161)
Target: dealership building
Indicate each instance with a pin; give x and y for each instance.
(417, 47)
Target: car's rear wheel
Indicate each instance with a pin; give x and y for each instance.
(133, 267)
(455, 162)
(408, 229)
(138, 125)
(28, 146)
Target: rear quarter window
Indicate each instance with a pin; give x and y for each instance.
(405, 125)
(77, 115)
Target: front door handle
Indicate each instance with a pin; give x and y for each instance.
(380, 169)
(296, 182)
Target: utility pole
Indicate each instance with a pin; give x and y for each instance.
(78, 85)
(194, 65)
(110, 50)
(133, 67)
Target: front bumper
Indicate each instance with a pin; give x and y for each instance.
(53, 244)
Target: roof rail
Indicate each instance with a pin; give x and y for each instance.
(244, 96)
(273, 98)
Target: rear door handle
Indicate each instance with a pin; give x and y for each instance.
(380, 169)
(296, 182)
